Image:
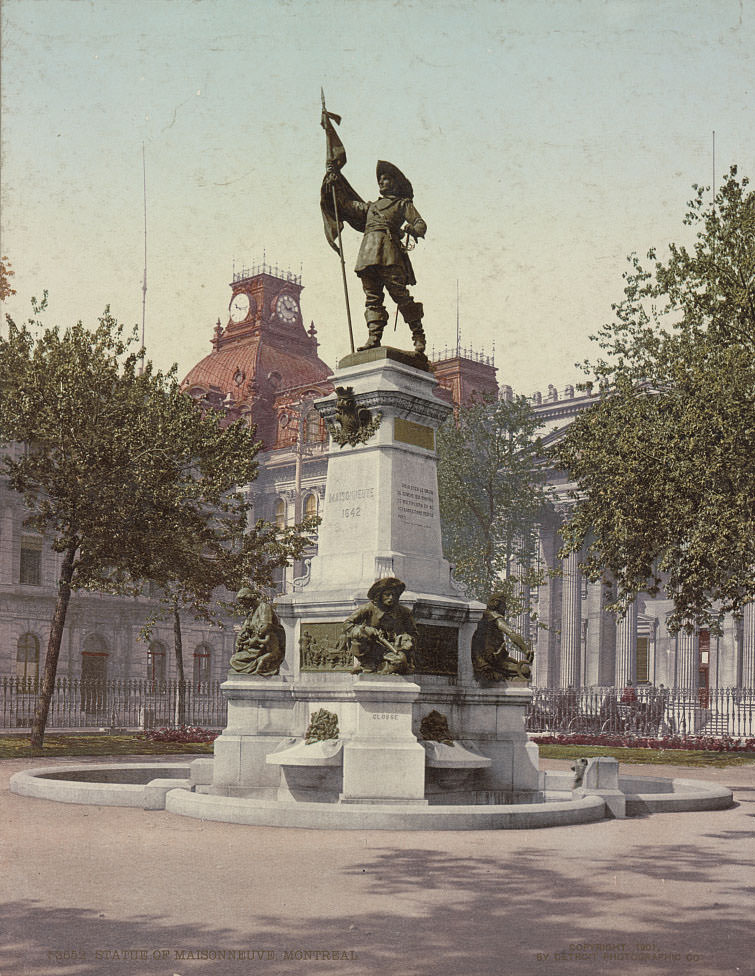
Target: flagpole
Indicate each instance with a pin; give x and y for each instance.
(340, 245)
(343, 269)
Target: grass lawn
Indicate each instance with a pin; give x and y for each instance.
(83, 744)
(665, 757)
(17, 746)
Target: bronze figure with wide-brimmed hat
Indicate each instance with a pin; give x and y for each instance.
(389, 224)
(381, 635)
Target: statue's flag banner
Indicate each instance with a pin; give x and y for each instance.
(334, 184)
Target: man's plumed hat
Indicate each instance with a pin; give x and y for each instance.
(403, 186)
(387, 583)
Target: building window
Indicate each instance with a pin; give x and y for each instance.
(312, 427)
(310, 506)
(703, 667)
(280, 514)
(202, 664)
(94, 657)
(27, 658)
(643, 657)
(279, 579)
(31, 560)
(156, 661)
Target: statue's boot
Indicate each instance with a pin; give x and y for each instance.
(411, 312)
(373, 342)
(418, 335)
(375, 335)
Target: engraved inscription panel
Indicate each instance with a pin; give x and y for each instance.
(415, 503)
(350, 503)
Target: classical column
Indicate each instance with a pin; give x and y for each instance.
(594, 627)
(748, 646)
(626, 647)
(6, 542)
(545, 669)
(686, 660)
(571, 621)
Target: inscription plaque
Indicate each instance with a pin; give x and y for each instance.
(414, 502)
(418, 435)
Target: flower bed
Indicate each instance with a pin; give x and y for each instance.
(182, 733)
(707, 743)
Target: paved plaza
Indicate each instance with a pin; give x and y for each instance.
(92, 890)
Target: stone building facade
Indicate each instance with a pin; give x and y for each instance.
(582, 644)
(101, 638)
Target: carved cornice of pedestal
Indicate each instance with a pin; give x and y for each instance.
(395, 402)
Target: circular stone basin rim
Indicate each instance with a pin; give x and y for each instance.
(102, 784)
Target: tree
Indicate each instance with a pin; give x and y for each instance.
(199, 584)
(490, 494)
(664, 463)
(126, 476)
(6, 273)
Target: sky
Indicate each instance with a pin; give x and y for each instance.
(545, 139)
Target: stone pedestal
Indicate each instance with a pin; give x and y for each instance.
(380, 519)
(383, 761)
(601, 778)
(381, 502)
(260, 716)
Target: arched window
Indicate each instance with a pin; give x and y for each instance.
(202, 664)
(27, 657)
(280, 514)
(156, 658)
(310, 505)
(312, 427)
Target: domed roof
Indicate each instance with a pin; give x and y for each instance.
(259, 361)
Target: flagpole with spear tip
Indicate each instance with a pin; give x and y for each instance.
(324, 120)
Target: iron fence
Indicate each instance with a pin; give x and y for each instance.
(132, 703)
(645, 710)
(138, 703)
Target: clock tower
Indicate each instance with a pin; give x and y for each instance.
(264, 300)
(263, 359)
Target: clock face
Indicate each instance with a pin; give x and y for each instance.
(286, 308)
(240, 307)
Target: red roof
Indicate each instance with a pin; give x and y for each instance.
(262, 361)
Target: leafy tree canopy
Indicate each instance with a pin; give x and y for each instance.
(490, 494)
(125, 475)
(664, 463)
(6, 273)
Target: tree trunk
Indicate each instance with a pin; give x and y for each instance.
(53, 649)
(181, 682)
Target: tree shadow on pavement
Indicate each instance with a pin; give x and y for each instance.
(430, 912)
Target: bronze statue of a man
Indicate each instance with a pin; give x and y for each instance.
(383, 261)
(381, 634)
(491, 659)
